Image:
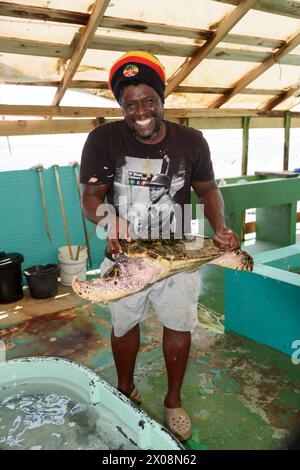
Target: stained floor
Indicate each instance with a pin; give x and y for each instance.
(240, 395)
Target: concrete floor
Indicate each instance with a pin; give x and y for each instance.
(239, 394)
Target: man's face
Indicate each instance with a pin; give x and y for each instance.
(156, 193)
(143, 112)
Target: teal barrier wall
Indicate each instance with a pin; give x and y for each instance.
(275, 201)
(22, 227)
(264, 305)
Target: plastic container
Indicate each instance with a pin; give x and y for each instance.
(11, 288)
(44, 373)
(70, 268)
(42, 280)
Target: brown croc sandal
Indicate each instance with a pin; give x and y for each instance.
(178, 423)
(135, 396)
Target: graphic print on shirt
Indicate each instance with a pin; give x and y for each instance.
(145, 195)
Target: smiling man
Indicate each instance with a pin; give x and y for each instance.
(129, 162)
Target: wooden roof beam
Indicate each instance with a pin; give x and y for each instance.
(79, 51)
(126, 24)
(284, 95)
(65, 51)
(114, 43)
(64, 126)
(228, 22)
(30, 12)
(42, 126)
(36, 48)
(81, 112)
(83, 84)
(259, 70)
(103, 85)
(278, 7)
(218, 90)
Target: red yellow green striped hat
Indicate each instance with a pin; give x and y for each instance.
(140, 67)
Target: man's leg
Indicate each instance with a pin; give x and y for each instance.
(125, 349)
(175, 303)
(176, 348)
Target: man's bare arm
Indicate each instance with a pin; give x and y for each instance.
(93, 197)
(211, 197)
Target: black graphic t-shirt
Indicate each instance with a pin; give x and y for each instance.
(146, 180)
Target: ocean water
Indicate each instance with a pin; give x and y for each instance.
(265, 150)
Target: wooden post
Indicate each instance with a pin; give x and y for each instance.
(246, 121)
(184, 121)
(286, 150)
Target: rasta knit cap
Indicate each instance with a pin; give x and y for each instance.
(137, 67)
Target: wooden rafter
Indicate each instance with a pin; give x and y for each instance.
(30, 12)
(220, 91)
(183, 50)
(284, 95)
(279, 7)
(65, 126)
(43, 126)
(259, 70)
(127, 24)
(226, 25)
(103, 85)
(195, 53)
(35, 48)
(58, 111)
(63, 51)
(80, 112)
(79, 51)
(85, 84)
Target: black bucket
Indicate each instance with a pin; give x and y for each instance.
(11, 288)
(42, 280)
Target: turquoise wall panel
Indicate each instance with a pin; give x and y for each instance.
(263, 308)
(22, 226)
(275, 201)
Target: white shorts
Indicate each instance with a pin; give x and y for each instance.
(173, 299)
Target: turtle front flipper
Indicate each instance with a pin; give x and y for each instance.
(136, 274)
(102, 290)
(237, 259)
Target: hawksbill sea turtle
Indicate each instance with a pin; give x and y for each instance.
(142, 263)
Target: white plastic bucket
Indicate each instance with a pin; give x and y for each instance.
(72, 267)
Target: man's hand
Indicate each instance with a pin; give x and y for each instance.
(118, 229)
(227, 238)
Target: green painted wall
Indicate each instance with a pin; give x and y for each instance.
(275, 201)
(22, 227)
(264, 305)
